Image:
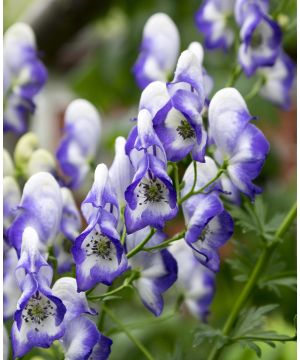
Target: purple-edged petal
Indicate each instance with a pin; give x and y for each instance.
(71, 220)
(102, 349)
(11, 199)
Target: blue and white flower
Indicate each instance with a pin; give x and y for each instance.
(24, 76)
(157, 270)
(81, 339)
(151, 197)
(195, 281)
(242, 8)
(97, 251)
(239, 144)
(212, 19)
(159, 50)
(39, 316)
(209, 225)
(176, 109)
(260, 40)
(40, 208)
(79, 145)
(278, 81)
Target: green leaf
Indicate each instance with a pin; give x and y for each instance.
(207, 333)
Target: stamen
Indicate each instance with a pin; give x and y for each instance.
(185, 130)
(99, 245)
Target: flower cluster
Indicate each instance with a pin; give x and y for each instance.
(129, 204)
(260, 47)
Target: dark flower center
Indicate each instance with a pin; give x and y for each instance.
(151, 190)
(256, 40)
(206, 231)
(185, 130)
(99, 245)
(37, 310)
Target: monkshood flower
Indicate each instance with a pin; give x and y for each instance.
(196, 282)
(157, 271)
(260, 40)
(240, 145)
(212, 19)
(97, 251)
(38, 318)
(159, 50)
(81, 339)
(24, 76)
(40, 208)
(278, 81)
(11, 200)
(209, 225)
(11, 292)
(151, 197)
(242, 7)
(176, 109)
(79, 145)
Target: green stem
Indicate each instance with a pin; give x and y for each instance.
(176, 180)
(167, 242)
(141, 245)
(256, 87)
(262, 338)
(237, 71)
(252, 281)
(192, 193)
(136, 341)
(112, 292)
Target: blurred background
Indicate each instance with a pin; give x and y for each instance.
(89, 48)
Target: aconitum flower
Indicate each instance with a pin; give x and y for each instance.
(38, 318)
(213, 20)
(81, 339)
(151, 197)
(24, 76)
(240, 145)
(97, 251)
(79, 145)
(278, 81)
(260, 40)
(209, 226)
(197, 283)
(176, 109)
(158, 270)
(40, 208)
(159, 50)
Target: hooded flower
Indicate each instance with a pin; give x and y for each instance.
(209, 226)
(24, 76)
(158, 270)
(159, 50)
(239, 144)
(151, 198)
(81, 339)
(242, 8)
(260, 40)
(79, 145)
(176, 108)
(97, 251)
(197, 283)
(278, 81)
(213, 20)
(40, 208)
